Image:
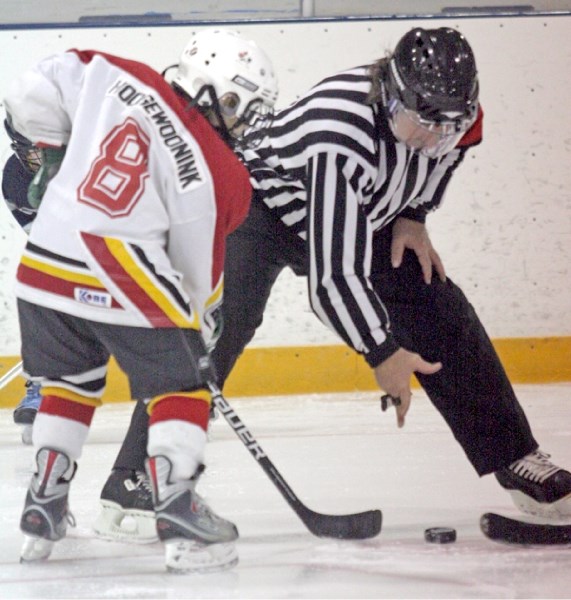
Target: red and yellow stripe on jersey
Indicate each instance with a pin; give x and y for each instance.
(124, 282)
(155, 296)
(58, 275)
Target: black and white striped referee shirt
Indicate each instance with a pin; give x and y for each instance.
(334, 174)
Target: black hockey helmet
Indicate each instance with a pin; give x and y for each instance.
(28, 155)
(433, 73)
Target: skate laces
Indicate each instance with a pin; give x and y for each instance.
(33, 398)
(143, 483)
(201, 508)
(138, 482)
(535, 466)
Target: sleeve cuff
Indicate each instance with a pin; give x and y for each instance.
(375, 357)
(414, 214)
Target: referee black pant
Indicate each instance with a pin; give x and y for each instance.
(471, 391)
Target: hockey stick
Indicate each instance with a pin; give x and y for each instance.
(12, 374)
(357, 526)
(513, 531)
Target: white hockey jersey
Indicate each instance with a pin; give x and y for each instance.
(131, 231)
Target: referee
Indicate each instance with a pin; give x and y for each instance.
(343, 182)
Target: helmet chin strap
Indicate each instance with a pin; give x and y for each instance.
(167, 69)
(210, 110)
(207, 103)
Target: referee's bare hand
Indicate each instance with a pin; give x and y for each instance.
(393, 376)
(408, 234)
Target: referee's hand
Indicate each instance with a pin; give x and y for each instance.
(393, 376)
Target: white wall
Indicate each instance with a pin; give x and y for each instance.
(505, 229)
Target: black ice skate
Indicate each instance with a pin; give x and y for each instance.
(46, 512)
(195, 538)
(537, 486)
(127, 513)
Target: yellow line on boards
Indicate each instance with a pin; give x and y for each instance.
(321, 369)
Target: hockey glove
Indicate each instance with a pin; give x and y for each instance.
(51, 157)
(213, 325)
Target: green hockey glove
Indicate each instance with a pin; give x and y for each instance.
(51, 159)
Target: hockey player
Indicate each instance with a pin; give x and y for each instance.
(17, 175)
(125, 257)
(345, 180)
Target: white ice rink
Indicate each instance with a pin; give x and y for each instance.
(339, 453)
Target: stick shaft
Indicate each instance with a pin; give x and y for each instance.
(253, 446)
(354, 526)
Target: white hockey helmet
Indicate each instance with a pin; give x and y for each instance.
(221, 70)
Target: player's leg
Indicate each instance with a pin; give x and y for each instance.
(171, 367)
(17, 175)
(255, 255)
(196, 539)
(127, 512)
(71, 363)
(472, 390)
(25, 412)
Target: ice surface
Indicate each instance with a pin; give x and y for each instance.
(339, 453)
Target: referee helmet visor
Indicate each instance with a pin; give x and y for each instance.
(429, 138)
(432, 89)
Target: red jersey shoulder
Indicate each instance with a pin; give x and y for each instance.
(231, 178)
(140, 70)
(474, 135)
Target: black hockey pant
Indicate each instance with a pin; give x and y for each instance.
(471, 391)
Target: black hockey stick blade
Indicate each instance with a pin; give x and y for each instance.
(358, 526)
(513, 531)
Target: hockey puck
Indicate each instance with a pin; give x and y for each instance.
(440, 535)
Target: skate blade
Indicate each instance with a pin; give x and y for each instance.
(117, 525)
(561, 509)
(27, 434)
(35, 549)
(188, 556)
